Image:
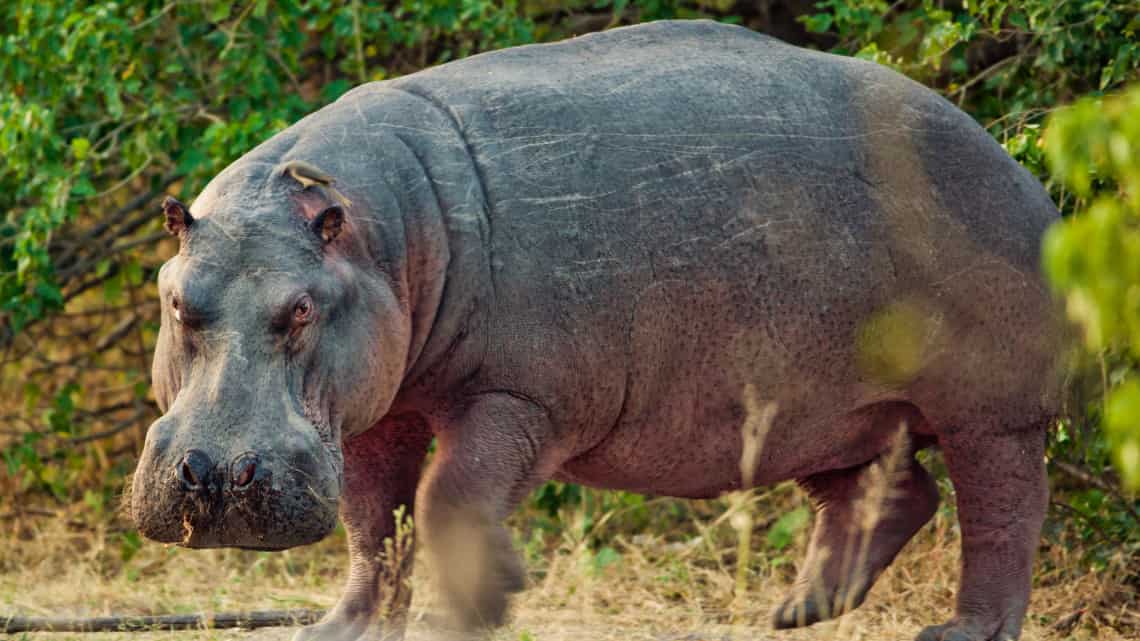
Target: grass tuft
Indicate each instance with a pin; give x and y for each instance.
(671, 575)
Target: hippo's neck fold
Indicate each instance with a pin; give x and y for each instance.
(446, 228)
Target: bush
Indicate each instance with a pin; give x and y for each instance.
(104, 106)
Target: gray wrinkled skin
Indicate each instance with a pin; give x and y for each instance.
(586, 261)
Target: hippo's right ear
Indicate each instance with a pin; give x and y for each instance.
(327, 224)
(178, 218)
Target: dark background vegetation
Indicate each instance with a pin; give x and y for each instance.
(106, 106)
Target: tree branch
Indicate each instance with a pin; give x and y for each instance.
(246, 620)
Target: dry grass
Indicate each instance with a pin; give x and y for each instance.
(676, 586)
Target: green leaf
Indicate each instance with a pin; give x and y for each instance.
(1123, 428)
(220, 12)
(605, 557)
(82, 188)
(817, 23)
(113, 288)
(79, 147)
(112, 100)
(134, 273)
(785, 529)
(1106, 76)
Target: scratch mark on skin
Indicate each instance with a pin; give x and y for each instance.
(192, 258)
(981, 264)
(608, 267)
(895, 131)
(754, 229)
(680, 243)
(364, 122)
(228, 230)
(764, 117)
(520, 148)
(566, 198)
(441, 138)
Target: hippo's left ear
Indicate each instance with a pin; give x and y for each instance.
(178, 218)
(327, 224)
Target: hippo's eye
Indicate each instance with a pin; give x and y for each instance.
(175, 307)
(303, 310)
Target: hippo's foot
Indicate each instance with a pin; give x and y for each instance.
(343, 628)
(865, 515)
(800, 610)
(339, 625)
(966, 630)
(479, 571)
(356, 618)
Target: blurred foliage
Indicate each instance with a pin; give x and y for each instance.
(104, 98)
(1094, 147)
(104, 106)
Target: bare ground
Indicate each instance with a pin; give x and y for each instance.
(650, 587)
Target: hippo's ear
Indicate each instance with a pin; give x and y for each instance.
(178, 218)
(327, 224)
(317, 190)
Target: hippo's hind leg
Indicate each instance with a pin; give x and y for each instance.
(999, 478)
(487, 461)
(864, 516)
(381, 470)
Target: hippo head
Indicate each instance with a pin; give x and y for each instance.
(276, 339)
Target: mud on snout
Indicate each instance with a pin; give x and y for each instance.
(267, 493)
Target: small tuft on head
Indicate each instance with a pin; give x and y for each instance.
(310, 175)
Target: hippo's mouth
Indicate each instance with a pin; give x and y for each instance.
(271, 520)
(289, 499)
(201, 539)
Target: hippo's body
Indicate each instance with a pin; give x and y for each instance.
(679, 258)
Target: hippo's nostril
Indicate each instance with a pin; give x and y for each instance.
(243, 469)
(194, 470)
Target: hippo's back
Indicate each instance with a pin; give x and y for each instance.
(707, 121)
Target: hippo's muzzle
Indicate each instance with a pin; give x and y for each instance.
(210, 495)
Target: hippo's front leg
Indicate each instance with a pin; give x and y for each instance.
(381, 470)
(485, 464)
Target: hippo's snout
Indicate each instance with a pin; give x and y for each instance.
(199, 475)
(207, 495)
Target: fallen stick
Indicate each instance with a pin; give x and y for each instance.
(248, 620)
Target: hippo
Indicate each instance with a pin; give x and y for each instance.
(680, 258)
